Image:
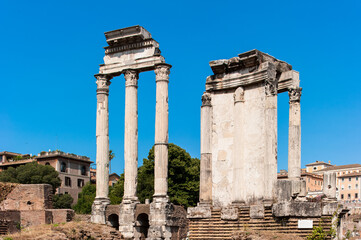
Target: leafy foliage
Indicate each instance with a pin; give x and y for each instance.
(85, 199)
(62, 201)
(183, 178)
(31, 173)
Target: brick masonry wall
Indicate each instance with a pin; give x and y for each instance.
(216, 228)
(36, 217)
(28, 197)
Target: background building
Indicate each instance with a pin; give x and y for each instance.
(74, 170)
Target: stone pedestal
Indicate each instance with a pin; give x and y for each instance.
(160, 211)
(329, 186)
(294, 134)
(98, 210)
(127, 219)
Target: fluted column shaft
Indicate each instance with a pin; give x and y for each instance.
(271, 139)
(294, 134)
(205, 191)
(102, 137)
(239, 188)
(131, 135)
(161, 131)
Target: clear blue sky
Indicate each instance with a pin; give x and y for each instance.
(50, 51)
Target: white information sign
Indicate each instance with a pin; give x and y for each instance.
(305, 224)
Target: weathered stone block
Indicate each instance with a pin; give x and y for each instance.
(297, 209)
(257, 211)
(36, 217)
(199, 212)
(229, 213)
(62, 215)
(329, 208)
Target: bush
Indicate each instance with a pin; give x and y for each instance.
(62, 201)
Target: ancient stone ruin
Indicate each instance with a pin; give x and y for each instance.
(23, 205)
(238, 178)
(238, 143)
(131, 51)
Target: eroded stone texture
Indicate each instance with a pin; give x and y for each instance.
(244, 92)
(329, 185)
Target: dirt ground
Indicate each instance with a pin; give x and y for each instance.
(72, 230)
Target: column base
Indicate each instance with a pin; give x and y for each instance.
(160, 210)
(127, 217)
(98, 210)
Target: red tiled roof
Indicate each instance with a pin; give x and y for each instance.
(350, 175)
(356, 165)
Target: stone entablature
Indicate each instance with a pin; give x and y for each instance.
(250, 68)
(130, 48)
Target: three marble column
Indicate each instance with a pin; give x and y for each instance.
(131, 140)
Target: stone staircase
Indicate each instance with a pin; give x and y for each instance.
(4, 227)
(216, 228)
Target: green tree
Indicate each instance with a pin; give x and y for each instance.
(183, 178)
(62, 201)
(85, 199)
(31, 173)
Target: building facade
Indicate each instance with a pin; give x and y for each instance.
(74, 170)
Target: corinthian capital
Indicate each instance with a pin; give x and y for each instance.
(162, 72)
(131, 77)
(271, 87)
(206, 99)
(103, 82)
(295, 94)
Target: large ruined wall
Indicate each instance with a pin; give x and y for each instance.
(28, 197)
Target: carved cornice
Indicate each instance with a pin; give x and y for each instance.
(162, 72)
(271, 87)
(295, 94)
(131, 78)
(103, 82)
(271, 83)
(239, 95)
(206, 99)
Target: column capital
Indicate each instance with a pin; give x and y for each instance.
(271, 86)
(162, 72)
(239, 95)
(103, 82)
(206, 99)
(131, 77)
(295, 94)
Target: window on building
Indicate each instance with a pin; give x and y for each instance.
(356, 186)
(83, 170)
(343, 179)
(349, 196)
(349, 186)
(66, 193)
(341, 196)
(356, 195)
(342, 187)
(63, 167)
(356, 178)
(314, 168)
(47, 163)
(349, 179)
(80, 182)
(68, 181)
